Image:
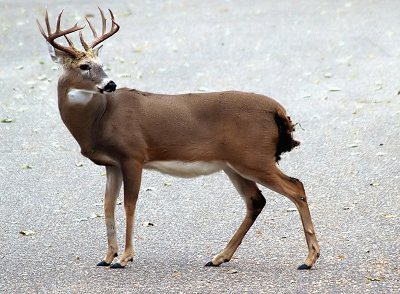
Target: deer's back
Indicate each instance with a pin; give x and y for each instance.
(194, 122)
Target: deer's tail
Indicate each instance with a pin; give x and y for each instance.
(285, 133)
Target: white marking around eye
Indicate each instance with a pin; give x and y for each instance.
(80, 96)
(186, 169)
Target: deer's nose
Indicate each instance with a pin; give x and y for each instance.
(110, 87)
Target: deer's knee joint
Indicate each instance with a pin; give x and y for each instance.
(296, 181)
(299, 186)
(258, 202)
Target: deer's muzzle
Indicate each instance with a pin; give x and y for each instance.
(110, 87)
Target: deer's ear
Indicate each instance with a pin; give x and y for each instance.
(55, 54)
(97, 50)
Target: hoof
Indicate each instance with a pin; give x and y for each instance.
(211, 264)
(116, 265)
(304, 267)
(103, 263)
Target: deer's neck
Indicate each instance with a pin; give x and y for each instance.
(81, 110)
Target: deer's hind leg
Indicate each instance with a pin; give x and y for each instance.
(254, 201)
(292, 188)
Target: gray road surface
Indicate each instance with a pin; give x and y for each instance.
(333, 64)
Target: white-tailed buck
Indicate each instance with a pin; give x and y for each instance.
(185, 135)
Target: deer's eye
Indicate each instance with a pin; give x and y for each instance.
(84, 67)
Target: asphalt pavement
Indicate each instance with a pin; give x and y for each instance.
(333, 64)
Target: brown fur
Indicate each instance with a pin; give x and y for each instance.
(244, 134)
(152, 120)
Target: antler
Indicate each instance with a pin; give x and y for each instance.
(104, 35)
(50, 37)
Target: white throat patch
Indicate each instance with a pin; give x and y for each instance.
(80, 96)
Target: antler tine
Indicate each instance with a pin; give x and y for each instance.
(113, 23)
(59, 21)
(104, 21)
(41, 29)
(112, 15)
(84, 44)
(47, 23)
(104, 36)
(70, 43)
(50, 37)
(91, 27)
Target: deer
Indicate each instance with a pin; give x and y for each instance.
(185, 135)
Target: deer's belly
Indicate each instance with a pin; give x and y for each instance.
(186, 169)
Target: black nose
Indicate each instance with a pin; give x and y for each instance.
(110, 87)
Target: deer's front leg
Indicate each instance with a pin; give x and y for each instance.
(113, 186)
(132, 175)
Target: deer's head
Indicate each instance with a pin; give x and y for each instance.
(84, 66)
